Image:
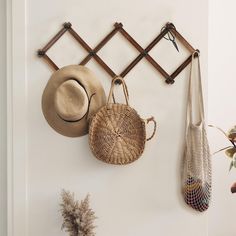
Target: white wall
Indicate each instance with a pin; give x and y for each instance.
(139, 199)
(3, 137)
(221, 92)
(56, 162)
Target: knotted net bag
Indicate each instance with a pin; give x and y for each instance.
(117, 134)
(196, 173)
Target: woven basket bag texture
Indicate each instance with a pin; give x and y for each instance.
(117, 134)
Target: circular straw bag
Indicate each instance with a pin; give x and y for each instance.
(117, 134)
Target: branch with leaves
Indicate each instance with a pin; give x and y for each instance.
(230, 151)
(78, 217)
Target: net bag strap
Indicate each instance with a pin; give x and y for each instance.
(195, 65)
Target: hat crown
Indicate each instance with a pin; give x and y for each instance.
(71, 101)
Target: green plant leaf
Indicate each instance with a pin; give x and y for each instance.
(234, 164)
(231, 165)
(230, 152)
(232, 134)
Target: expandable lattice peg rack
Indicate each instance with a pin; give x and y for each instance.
(143, 52)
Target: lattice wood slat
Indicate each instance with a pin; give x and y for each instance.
(118, 27)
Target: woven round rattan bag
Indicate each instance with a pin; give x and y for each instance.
(117, 134)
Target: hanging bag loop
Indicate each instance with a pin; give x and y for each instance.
(195, 69)
(125, 90)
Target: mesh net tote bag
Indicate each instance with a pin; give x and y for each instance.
(117, 134)
(196, 173)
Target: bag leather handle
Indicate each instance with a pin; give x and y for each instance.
(151, 119)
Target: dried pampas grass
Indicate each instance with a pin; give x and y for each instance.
(78, 217)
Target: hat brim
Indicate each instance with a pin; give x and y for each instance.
(93, 88)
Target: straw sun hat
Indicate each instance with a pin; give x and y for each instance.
(71, 96)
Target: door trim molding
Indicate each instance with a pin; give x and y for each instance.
(17, 161)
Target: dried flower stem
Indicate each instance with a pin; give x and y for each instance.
(78, 218)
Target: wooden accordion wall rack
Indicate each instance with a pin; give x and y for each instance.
(169, 29)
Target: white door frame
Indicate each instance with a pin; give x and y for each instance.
(3, 122)
(17, 119)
